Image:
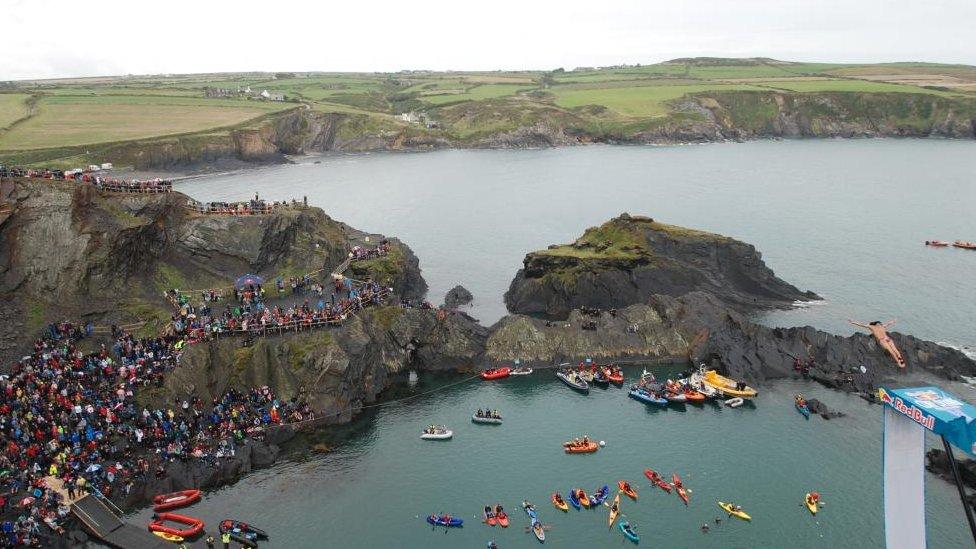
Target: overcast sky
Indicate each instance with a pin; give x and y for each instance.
(60, 38)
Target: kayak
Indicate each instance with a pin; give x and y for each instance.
(587, 448)
(600, 496)
(486, 420)
(811, 504)
(583, 499)
(175, 500)
(656, 479)
(727, 386)
(614, 510)
(627, 489)
(169, 537)
(682, 492)
(520, 371)
(728, 509)
(936, 243)
(646, 397)
(803, 409)
(440, 433)
(574, 383)
(529, 510)
(539, 531)
(629, 531)
(559, 502)
(573, 499)
(496, 373)
(490, 519)
(501, 516)
(447, 521)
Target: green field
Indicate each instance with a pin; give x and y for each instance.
(13, 107)
(63, 120)
(637, 101)
(615, 101)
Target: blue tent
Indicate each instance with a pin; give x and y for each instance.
(248, 280)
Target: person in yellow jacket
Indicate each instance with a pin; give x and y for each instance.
(53, 471)
(225, 539)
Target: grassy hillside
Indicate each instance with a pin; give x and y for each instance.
(458, 106)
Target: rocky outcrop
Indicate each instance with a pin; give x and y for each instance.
(629, 258)
(338, 370)
(698, 328)
(457, 296)
(71, 251)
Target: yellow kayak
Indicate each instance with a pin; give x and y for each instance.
(169, 537)
(727, 386)
(614, 509)
(728, 509)
(811, 504)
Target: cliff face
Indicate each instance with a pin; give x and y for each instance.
(72, 251)
(336, 370)
(629, 258)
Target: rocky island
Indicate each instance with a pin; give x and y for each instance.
(630, 257)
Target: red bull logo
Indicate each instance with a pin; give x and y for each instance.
(913, 412)
(884, 396)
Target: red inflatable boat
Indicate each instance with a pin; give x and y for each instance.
(496, 373)
(194, 526)
(166, 502)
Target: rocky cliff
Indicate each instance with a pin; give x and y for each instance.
(629, 258)
(698, 328)
(72, 251)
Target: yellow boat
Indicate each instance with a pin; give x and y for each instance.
(727, 386)
(811, 504)
(733, 513)
(614, 509)
(169, 537)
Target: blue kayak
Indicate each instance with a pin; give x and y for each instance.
(628, 531)
(646, 397)
(573, 499)
(804, 410)
(451, 522)
(600, 496)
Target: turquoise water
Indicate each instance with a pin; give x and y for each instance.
(376, 488)
(843, 218)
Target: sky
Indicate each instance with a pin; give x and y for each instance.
(68, 38)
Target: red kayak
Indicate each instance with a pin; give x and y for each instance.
(682, 493)
(175, 500)
(656, 479)
(496, 373)
(193, 528)
(501, 516)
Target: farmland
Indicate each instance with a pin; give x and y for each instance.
(461, 106)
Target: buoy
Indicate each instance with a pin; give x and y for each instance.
(603, 443)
